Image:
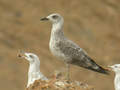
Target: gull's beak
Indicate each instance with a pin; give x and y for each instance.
(21, 54)
(44, 19)
(110, 68)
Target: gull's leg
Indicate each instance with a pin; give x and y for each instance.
(68, 71)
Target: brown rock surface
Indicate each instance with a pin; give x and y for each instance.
(59, 83)
(93, 24)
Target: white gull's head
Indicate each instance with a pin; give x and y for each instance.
(31, 57)
(115, 68)
(54, 18)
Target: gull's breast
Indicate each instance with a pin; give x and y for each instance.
(55, 49)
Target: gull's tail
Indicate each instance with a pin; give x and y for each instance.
(91, 65)
(99, 69)
(88, 63)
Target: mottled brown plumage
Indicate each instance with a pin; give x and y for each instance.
(67, 50)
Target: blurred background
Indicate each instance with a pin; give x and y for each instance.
(93, 24)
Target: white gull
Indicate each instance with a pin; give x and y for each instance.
(34, 68)
(116, 69)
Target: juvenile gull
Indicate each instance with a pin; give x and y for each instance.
(34, 68)
(65, 49)
(116, 69)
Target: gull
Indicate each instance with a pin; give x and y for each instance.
(34, 68)
(67, 50)
(116, 69)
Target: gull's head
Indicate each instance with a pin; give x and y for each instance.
(54, 18)
(115, 68)
(31, 57)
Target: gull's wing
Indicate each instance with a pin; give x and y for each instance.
(78, 57)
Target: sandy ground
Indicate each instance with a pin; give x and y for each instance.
(93, 24)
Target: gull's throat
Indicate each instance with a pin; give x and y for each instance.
(57, 30)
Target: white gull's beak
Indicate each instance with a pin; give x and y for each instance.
(44, 19)
(110, 68)
(21, 54)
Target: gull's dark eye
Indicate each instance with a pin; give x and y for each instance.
(31, 56)
(115, 66)
(55, 16)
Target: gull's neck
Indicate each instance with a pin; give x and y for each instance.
(117, 81)
(34, 67)
(57, 29)
(34, 72)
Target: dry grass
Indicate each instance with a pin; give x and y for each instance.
(59, 84)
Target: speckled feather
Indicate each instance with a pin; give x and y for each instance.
(66, 49)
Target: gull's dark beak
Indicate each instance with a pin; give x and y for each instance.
(21, 54)
(44, 19)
